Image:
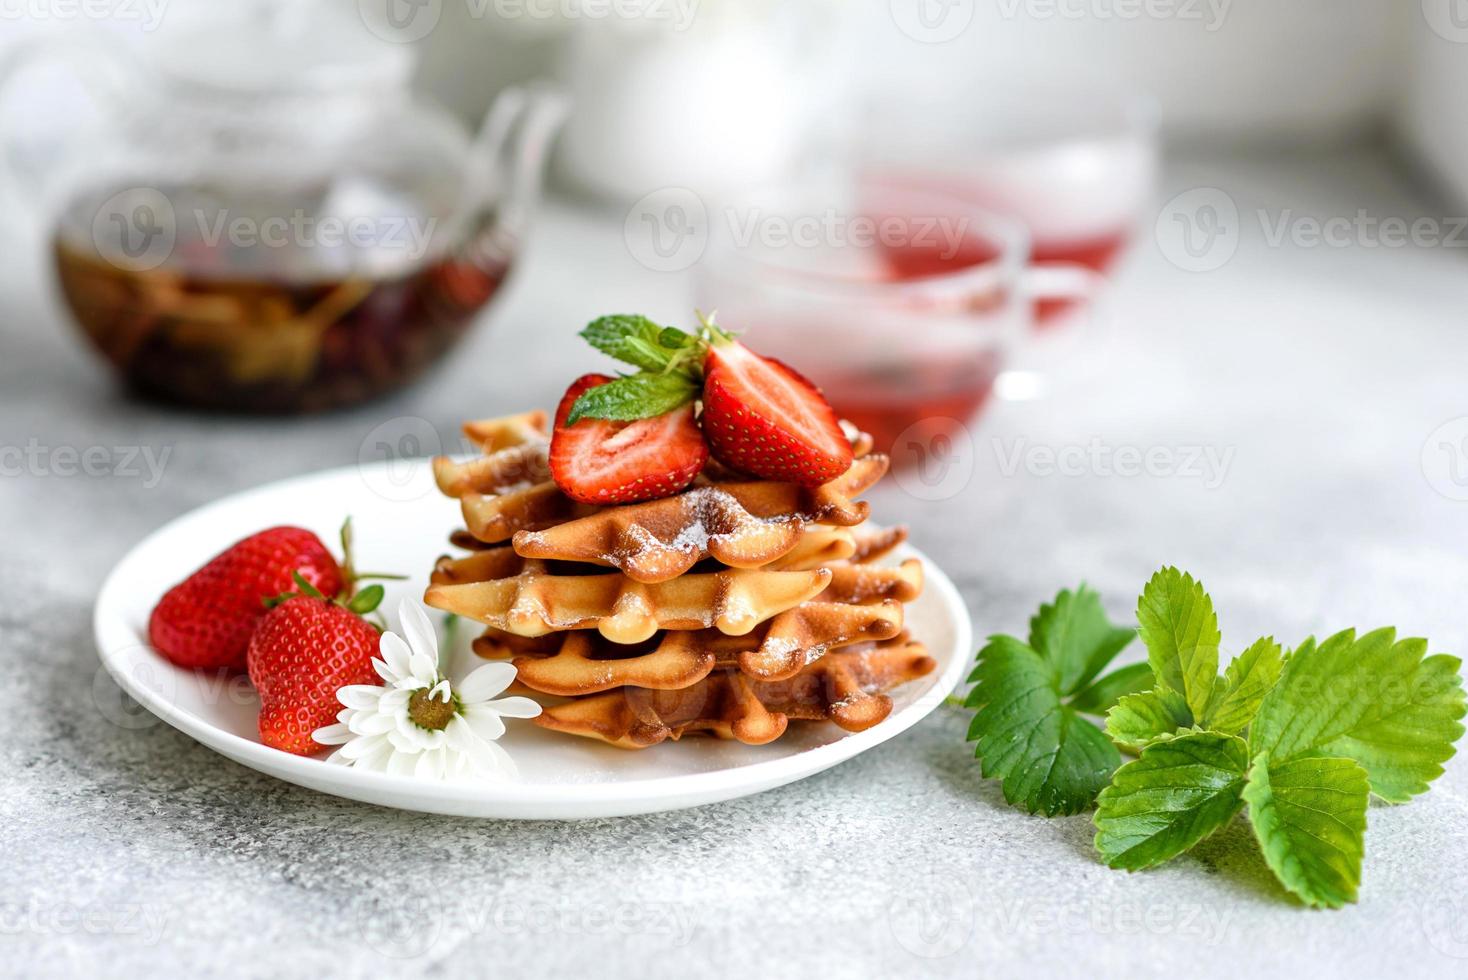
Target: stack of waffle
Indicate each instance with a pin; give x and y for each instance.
(731, 608)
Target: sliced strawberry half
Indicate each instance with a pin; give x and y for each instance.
(578, 388)
(597, 461)
(765, 418)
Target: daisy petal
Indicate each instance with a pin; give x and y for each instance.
(378, 758)
(495, 761)
(485, 723)
(460, 737)
(357, 748)
(402, 764)
(373, 723)
(397, 655)
(421, 636)
(430, 766)
(516, 707)
(337, 734)
(485, 682)
(362, 697)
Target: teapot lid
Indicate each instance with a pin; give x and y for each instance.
(267, 47)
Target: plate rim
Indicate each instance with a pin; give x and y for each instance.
(113, 637)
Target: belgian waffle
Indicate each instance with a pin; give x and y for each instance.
(731, 608)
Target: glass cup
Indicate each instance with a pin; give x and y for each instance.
(1076, 165)
(903, 303)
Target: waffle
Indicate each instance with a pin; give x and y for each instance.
(582, 661)
(522, 595)
(743, 523)
(730, 608)
(846, 687)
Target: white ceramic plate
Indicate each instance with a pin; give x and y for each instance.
(402, 525)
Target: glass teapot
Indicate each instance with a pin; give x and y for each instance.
(264, 218)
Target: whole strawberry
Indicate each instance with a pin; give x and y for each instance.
(302, 653)
(206, 620)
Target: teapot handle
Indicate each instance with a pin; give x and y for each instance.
(103, 72)
(508, 157)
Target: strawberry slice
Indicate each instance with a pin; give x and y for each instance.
(765, 418)
(578, 388)
(597, 461)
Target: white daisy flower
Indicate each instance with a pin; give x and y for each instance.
(418, 723)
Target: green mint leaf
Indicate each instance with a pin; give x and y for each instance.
(1176, 793)
(1375, 699)
(1137, 720)
(1074, 634)
(1051, 760)
(1180, 630)
(1102, 695)
(641, 396)
(642, 343)
(1248, 678)
(1309, 815)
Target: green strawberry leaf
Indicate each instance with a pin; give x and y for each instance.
(1051, 760)
(366, 600)
(641, 396)
(642, 343)
(1180, 629)
(1377, 700)
(1309, 815)
(1137, 720)
(1103, 694)
(1074, 634)
(1248, 678)
(1176, 793)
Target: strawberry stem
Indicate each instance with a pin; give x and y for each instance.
(712, 333)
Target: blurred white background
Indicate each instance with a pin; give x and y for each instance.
(1225, 70)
